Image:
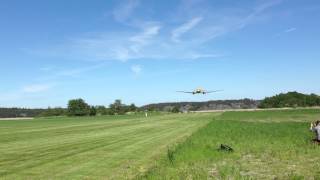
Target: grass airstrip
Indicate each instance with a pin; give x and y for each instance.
(267, 145)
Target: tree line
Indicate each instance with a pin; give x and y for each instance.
(290, 99)
(78, 107)
(19, 112)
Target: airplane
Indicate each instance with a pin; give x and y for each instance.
(199, 91)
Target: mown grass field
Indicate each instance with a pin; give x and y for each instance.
(115, 147)
(267, 145)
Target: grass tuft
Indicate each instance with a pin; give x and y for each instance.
(170, 155)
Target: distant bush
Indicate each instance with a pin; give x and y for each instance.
(93, 111)
(54, 112)
(133, 108)
(290, 99)
(117, 108)
(175, 109)
(102, 110)
(78, 107)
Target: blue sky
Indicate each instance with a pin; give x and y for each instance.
(142, 51)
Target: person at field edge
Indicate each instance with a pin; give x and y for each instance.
(315, 127)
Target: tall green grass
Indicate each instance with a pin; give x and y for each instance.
(295, 115)
(267, 146)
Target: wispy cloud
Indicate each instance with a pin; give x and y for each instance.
(27, 91)
(152, 39)
(47, 68)
(290, 30)
(238, 22)
(266, 4)
(198, 56)
(69, 73)
(77, 71)
(179, 31)
(36, 88)
(124, 10)
(145, 35)
(11, 96)
(143, 38)
(136, 69)
(45, 82)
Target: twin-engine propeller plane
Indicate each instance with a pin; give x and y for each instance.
(199, 91)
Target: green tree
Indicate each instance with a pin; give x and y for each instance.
(175, 109)
(117, 107)
(151, 108)
(132, 108)
(78, 107)
(101, 110)
(93, 111)
(290, 99)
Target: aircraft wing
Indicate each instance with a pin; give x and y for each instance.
(185, 92)
(213, 91)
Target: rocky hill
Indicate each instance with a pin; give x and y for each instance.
(208, 105)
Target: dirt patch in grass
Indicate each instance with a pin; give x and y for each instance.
(18, 118)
